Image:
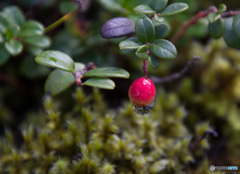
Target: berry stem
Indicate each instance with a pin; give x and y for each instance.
(144, 67)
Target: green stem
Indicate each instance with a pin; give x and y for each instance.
(59, 22)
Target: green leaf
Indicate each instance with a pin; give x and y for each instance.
(111, 5)
(157, 5)
(34, 50)
(56, 59)
(163, 49)
(4, 55)
(161, 30)
(67, 6)
(142, 52)
(229, 35)
(11, 31)
(154, 62)
(14, 47)
(37, 41)
(100, 83)
(216, 29)
(159, 18)
(107, 72)
(1, 38)
(174, 8)
(127, 51)
(236, 25)
(212, 17)
(128, 44)
(222, 8)
(3, 22)
(14, 15)
(144, 30)
(58, 81)
(31, 28)
(144, 9)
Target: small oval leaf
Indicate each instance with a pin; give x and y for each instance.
(58, 81)
(128, 44)
(100, 83)
(127, 51)
(212, 17)
(236, 25)
(31, 28)
(216, 29)
(159, 18)
(14, 15)
(144, 30)
(229, 35)
(107, 72)
(56, 59)
(174, 8)
(142, 52)
(154, 61)
(14, 47)
(161, 30)
(117, 27)
(163, 49)
(222, 8)
(144, 9)
(157, 5)
(37, 41)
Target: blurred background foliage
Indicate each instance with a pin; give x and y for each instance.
(209, 92)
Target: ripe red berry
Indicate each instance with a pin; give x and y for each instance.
(142, 92)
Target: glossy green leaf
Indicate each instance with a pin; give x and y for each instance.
(142, 52)
(174, 8)
(4, 55)
(127, 51)
(229, 35)
(31, 28)
(14, 47)
(216, 29)
(128, 44)
(144, 9)
(144, 30)
(11, 31)
(161, 30)
(212, 17)
(222, 8)
(163, 49)
(56, 59)
(111, 5)
(100, 83)
(154, 62)
(107, 72)
(14, 15)
(236, 25)
(157, 5)
(3, 22)
(37, 41)
(159, 18)
(59, 80)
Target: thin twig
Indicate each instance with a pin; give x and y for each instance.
(78, 75)
(144, 67)
(230, 13)
(158, 80)
(191, 22)
(194, 144)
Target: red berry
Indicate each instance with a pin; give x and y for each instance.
(142, 92)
